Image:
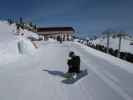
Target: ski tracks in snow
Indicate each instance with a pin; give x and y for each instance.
(111, 80)
(30, 81)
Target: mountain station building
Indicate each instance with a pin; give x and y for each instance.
(65, 33)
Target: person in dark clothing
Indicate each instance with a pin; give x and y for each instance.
(73, 63)
(59, 39)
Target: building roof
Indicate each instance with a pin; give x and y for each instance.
(47, 29)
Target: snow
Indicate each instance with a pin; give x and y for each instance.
(26, 47)
(76, 40)
(38, 77)
(8, 42)
(52, 40)
(114, 42)
(29, 34)
(121, 63)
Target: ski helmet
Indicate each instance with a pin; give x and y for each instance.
(71, 53)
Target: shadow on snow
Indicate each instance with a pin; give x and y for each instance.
(55, 72)
(66, 80)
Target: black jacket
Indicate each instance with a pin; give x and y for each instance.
(74, 64)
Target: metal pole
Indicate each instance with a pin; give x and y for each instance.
(107, 43)
(120, 38)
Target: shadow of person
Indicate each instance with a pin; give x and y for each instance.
(54, 72)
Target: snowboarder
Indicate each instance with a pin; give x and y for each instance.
(74, 73)
(73, 63)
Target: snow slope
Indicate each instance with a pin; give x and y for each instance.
(114, 42)
(38, 77)
(8, 42)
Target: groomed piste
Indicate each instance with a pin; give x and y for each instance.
(39, 76)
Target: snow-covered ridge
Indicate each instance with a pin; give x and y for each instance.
(8, 41)
(114, 42)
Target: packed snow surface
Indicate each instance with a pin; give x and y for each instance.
(38, 76)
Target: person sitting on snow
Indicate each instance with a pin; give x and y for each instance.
(73, 63)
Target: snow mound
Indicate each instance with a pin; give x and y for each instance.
(28, 34)
(26, 47)
(8, 42)
(51, 40)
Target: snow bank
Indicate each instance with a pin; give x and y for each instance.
(118, 62)
(29, 34)
(51, 40)
(114, 42)
(8, 42)
(76, 40)
(26, 47)
(8, 46)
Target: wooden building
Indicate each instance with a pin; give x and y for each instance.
(65, 33)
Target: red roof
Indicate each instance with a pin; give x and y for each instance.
(47, 29)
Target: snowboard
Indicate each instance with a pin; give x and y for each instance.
(71, 78)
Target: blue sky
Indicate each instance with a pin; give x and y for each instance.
(88, 17)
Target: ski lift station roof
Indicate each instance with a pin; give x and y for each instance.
(48, 29)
